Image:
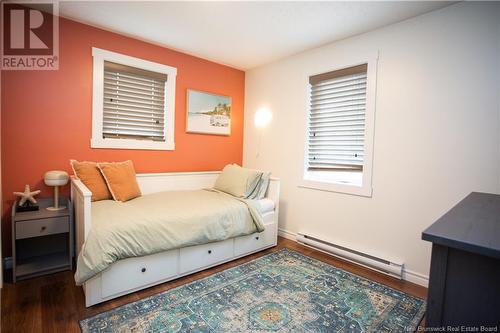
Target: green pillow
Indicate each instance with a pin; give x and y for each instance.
(237, 181)
(261, 188)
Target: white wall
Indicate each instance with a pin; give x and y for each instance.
(436, 130)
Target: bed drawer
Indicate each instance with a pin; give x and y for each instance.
(41, 227)
(129, 274)
(253, 242)
(195, 257)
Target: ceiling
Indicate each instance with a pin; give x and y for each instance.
(243, 35)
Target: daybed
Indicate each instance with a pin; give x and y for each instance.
(134, 273)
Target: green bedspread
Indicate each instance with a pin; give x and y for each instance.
(159, 222)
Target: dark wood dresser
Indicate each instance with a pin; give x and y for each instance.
(464, 282)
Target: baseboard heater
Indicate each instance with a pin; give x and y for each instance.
(388, 267)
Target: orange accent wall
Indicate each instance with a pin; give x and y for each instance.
(47, 115)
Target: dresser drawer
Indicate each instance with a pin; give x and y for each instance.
(199, 256)
(133, 273)
(42, 227)
(256, 241)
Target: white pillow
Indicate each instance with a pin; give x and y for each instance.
(237, 181)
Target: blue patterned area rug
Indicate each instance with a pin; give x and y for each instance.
(284, 291)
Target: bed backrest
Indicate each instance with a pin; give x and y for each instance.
(173, 181)
(186, 181)
(176, 181)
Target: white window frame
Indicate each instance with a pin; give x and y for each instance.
(98, 141)
(348, 182)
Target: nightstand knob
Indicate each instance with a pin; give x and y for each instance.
(143, 269)
(42, 229)
(209, 251)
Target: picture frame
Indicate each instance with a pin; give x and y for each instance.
(208, 113)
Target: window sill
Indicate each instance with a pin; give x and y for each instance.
(338, 187)
(130, 144)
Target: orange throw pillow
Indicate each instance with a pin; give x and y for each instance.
(120, 177)
(91, 176)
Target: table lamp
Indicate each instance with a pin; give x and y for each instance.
(56, 178)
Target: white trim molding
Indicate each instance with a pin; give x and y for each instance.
(98, 141)
(417, 278)
(287, 234)
(346, 182)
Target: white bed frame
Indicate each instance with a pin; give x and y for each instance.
(132, 274)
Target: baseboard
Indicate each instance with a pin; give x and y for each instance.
(7, 263)
(408, 275)
(417, 278)
(287, 234)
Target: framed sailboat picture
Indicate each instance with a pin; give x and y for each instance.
(208, 113)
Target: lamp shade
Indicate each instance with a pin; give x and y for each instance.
(56, 178)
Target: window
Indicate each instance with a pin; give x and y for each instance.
(133, 103)
(339, 138)
(337, 120)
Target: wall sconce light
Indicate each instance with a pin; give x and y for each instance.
(262, 117)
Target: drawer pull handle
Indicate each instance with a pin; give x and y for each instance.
(143, 269)
(257, 237)
(42, 229)
(209, 251)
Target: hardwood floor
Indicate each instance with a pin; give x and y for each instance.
(53, 303)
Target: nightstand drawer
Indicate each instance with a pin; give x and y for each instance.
(42, 227)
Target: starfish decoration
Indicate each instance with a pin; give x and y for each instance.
(27, 195)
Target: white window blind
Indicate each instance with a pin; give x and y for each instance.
(336, 131)
(134, 103)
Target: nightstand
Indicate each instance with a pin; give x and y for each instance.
(42, 241)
